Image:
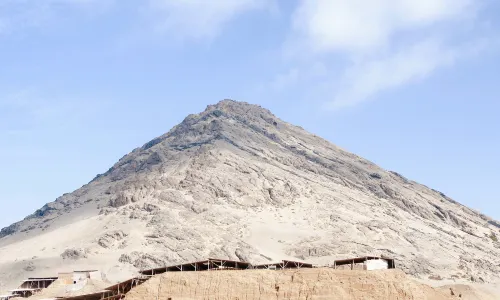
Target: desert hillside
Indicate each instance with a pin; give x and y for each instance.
(236, 182)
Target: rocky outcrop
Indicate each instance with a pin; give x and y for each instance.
(142, 260)
(112, 239)
(74, 253)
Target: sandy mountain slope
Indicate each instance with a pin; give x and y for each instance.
(471, 292)
(236, 182)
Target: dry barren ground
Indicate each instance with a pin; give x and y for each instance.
(295, 284)
(236, 182)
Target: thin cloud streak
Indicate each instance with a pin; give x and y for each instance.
(18, 15)
(386, 43)
(358, 26)
(364, 80)
(410, 64)
(200, 19)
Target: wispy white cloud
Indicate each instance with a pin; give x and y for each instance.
(361, 26)
(182, 19)
(383, 43)
(199, 19)
(412, 63)
(18, 15)
(408, 64)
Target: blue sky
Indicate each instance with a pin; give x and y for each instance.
(410, 85)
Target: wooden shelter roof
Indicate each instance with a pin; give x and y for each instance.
(358, 260)
(42, 279)
(241, 265)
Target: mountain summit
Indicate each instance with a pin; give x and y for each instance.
(237, 182)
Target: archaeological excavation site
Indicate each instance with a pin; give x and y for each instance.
(222, 279)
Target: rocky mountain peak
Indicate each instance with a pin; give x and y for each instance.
(227, 120)
(244, 109)
(231, 110)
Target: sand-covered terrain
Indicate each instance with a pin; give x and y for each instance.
(236, 182)
(61, 290)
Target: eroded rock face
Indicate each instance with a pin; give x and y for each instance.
(142, 260)
(12, 229)
(112, 239)
(74, 254)
(236, 182)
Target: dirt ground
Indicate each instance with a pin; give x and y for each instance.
(296, 284)
(61, 290)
